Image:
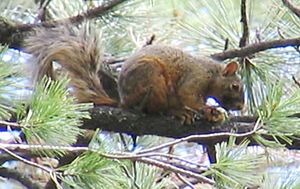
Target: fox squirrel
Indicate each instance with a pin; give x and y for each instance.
(155, 78)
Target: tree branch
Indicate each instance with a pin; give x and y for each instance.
(255, 48)
(14, 155)
(120, 121)
(292, 7)
(13, 34)
(42, 11)
(245, 37)
(148, 158)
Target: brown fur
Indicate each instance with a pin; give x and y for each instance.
(154, 79)
(165, 79)
(79, 52)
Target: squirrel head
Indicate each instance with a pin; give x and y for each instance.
(228, 88)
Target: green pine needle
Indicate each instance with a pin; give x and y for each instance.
(54, 116)
(8, 72)
(278, 114)
(90, 170)
(236, 167)
(281, 178)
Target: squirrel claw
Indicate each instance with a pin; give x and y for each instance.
(188, 116)
(185, 116)
(211, 114)
(188, 119)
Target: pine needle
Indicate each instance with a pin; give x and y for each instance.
(54, 116)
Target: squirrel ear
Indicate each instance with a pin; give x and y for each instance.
(230, 68)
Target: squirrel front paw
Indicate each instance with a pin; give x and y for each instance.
(186, 115)
(215, 114)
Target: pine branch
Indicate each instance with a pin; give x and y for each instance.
(42, 11)
(10, 124)
(184, 180)
(6, 157)
(245, 37)
(14, 155)
(119, 120)
(148, 158)
(172, 168)
(255, 48)
(89, 14)
(13, 34)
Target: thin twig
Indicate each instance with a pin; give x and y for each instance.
(12, 124)
(46, 169)
(184, 180)
(196, 137)
(42, 10)
(150, 41)
(174, 157)
(257, 35)
(176, 169)
(135, 175)
(181, 166)
(124, 155)
(90, 13)
(42, 147)
(145, 158)
(296, 81)
(121, 155)
(245, 37)
(44, 3)
(292, 7)
(226, 44)
(125, 145)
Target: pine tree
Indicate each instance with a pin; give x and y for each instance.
(59, 143)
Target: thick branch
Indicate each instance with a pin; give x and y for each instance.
(120, 121)
(292, 7)
(255, 48)
(13, 34)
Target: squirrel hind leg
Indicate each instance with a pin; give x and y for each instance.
(146, 99)
(143, 87)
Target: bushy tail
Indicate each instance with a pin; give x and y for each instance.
(78, 52)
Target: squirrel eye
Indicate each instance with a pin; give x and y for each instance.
(235, 87)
